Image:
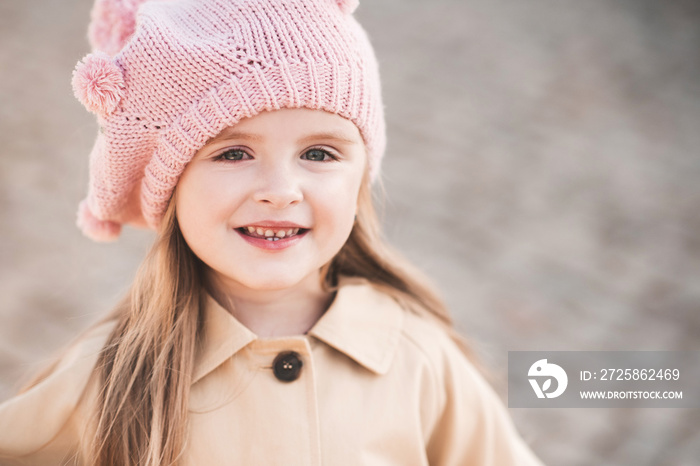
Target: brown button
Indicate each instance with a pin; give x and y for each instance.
(287, 366)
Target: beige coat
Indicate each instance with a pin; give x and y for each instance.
(376, 386)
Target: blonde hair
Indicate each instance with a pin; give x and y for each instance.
(366, 254)
(145, 369)
(147, 364)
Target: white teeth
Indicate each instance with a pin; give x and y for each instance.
(260, 231)
(295, 231)
(290, 232)
(280, 234)
(269, 233)
(251, 230)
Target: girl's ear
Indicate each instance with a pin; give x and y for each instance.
(347, 6)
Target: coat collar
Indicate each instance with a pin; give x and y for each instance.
(362, 323)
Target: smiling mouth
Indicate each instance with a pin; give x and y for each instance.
(271, 234)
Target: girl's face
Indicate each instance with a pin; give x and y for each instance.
(272, 199)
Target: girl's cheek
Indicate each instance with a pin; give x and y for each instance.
(214, 186)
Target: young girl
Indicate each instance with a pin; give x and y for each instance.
(269, 324)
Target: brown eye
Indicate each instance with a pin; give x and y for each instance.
(317, 155)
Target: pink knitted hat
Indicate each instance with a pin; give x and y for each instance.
(167, 75)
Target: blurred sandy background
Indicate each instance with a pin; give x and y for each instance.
(543, 167)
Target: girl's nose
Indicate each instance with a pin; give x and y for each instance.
(279, 187)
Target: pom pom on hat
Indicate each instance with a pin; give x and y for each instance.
(98, 83)
(94, 228)
(113, 23)
(348, 6)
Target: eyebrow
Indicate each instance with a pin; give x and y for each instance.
(236, 135)
(231, 134)
(331, 135)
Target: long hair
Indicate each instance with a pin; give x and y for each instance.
(147, 364)
(146, 367)
(366, 254)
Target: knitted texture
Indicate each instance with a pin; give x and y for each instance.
(187, 69)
